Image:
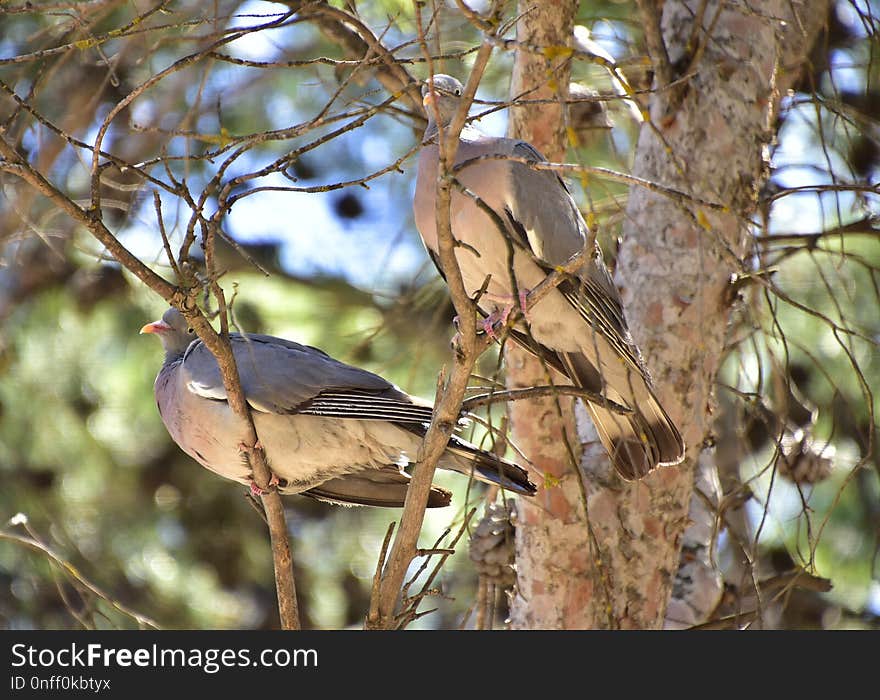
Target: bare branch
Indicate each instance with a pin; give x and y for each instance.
(71, 572)
(534, 391)
(650, 14)
(452, 389)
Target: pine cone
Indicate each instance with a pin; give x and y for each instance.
(492, 545)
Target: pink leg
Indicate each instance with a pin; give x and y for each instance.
(501, 315)
(492, 319)
(256, 491)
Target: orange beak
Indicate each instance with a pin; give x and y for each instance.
(428, 101)
(156, 327)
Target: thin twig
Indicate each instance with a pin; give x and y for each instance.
(535, 391)
(75, 575)
(411, 614)
(377, 577)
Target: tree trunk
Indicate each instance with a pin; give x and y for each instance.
(706, 137)
(553, 552)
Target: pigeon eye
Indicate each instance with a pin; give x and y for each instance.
(457, 92)
(190, 330)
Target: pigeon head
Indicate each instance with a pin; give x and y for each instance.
(174, 332)
(442, 102)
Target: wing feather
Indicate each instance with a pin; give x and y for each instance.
(280, 376)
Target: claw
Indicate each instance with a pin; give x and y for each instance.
(505, 308)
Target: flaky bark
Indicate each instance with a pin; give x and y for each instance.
(706, 136)
(767, 52)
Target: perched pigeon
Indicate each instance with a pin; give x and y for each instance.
(329, 430)
(579, 328)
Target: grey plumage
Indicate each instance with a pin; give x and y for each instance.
(329, 430)
(579, 328)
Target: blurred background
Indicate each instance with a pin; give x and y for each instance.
(328, 255)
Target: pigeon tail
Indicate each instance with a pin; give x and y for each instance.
(465, 458)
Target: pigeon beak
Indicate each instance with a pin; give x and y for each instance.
(427, 100)
(156, 327)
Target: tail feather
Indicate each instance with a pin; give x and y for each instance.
(664, 434)
(465, 458)
(639, 442)
(383, 487)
